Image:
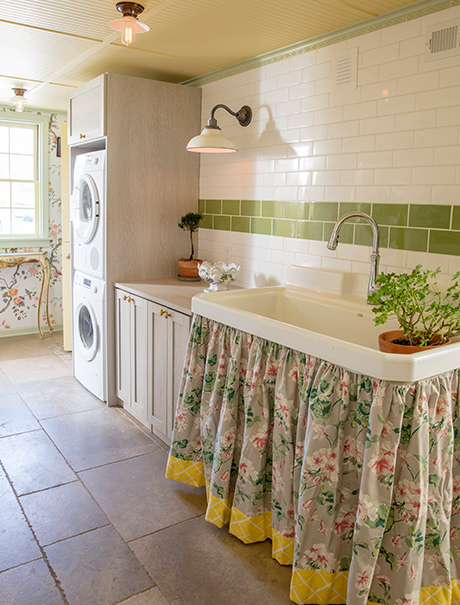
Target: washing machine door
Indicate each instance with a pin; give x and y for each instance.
(85, 208)
(87, 332)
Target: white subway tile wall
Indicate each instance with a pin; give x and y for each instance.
(394, 140)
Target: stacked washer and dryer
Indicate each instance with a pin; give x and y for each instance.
(88, 202)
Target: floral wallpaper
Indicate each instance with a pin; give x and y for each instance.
(20, 285)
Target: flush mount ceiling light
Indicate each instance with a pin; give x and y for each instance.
(19, 100)
(129, 25)
(211, 139)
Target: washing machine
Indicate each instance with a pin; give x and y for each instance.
(89, 333)
(88, 213)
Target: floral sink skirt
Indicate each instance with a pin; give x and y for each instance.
(356, 481)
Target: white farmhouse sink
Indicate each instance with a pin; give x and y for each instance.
(324, 314)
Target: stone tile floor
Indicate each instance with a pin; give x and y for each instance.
(86, 514)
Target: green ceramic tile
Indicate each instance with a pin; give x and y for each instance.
(409, 239)
(445, 242)
(363, 235)
(261, 225)
(284, 228)
(310, 230)
(297, 210)
(231, 207)
(437, 217)
(273, 209)
(201, 207)
(346, 207)
(240, 223)
(250, 208)
(345, 236)
(214, 206)
(222, 223)
(390, 214)
(324, 211)
(456, 218)
(206, 223)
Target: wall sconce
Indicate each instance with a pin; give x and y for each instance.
(211, 139)
(19, 99)
(129, 25)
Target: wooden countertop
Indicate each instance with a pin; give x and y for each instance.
(170, 292)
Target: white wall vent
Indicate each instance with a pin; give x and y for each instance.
(442, 40)
(344, 71)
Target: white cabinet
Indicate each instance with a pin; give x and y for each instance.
(151, 181)
(86, 112)
(168, 333)
(131, 333)
(151, 340)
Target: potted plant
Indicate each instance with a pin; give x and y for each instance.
(188, 267)
(427, 317)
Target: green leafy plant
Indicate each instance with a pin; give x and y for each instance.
(190, 222)
(418, 304)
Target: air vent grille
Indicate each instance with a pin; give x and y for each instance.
(442, 40)
(345, 71)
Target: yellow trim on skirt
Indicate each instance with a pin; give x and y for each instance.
(308, 586)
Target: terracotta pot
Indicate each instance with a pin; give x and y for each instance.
(189, 268)
(387, 345)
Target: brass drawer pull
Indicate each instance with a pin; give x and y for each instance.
(82, 136)
(164, 313)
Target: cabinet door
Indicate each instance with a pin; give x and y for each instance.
(179, 325)
(132, 354)
(157, 368)
(138, 374)
(123, 346)
(168, 337)
(86, 112)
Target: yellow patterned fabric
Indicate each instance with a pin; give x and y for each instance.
(316, 586)
(356, 481)
(185, 471)
(250, 529)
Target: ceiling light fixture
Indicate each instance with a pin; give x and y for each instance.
(211, 139)
(19, 99)
(129, 25)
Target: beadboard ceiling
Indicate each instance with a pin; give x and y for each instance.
(50, 47)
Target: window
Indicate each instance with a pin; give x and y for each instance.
(23, 180)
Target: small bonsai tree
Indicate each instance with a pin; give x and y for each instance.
(418, 304)
(190, 222)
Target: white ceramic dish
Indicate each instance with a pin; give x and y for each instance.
(218, 275)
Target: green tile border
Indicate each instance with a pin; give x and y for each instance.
(415, 227)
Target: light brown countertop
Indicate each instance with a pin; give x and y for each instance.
(170, 292)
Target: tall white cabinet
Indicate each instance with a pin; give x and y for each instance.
(151, 180)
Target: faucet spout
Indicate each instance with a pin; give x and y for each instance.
(375, 256)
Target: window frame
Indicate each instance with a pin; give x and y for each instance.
(43, 238)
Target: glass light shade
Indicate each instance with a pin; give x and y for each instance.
(129, 27)
(211, 140)
(19, 101)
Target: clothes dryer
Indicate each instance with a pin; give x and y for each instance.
(88, 213)
(89, 333)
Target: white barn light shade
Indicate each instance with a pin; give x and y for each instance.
(211, 140)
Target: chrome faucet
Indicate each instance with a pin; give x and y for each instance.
(375, 256)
